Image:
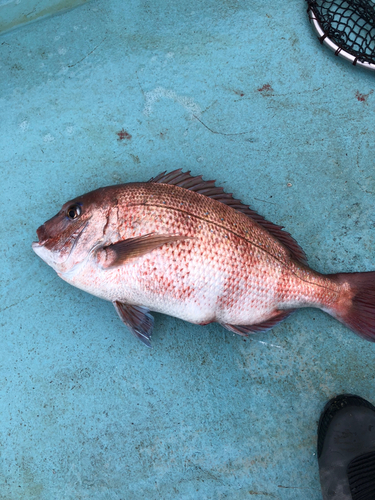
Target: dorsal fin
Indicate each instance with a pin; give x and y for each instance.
(208, 188)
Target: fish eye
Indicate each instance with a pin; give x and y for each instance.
(73, 212)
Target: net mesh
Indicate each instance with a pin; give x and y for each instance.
(349, 24)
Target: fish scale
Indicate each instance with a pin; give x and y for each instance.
(181, 246)
(218, 230)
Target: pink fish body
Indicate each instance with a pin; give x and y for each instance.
(181, 246)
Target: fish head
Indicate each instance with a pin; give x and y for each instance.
(81, 226)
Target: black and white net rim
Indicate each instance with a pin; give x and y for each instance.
(323, 38)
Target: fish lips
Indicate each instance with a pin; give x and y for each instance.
(44, 246)
(43, 253)
(42, 238)
(42, 235)
(38, 246)
(41, 232)
(54, 251)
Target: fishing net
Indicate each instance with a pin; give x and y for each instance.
(347, 27)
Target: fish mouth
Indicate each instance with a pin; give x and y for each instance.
(41, 247)
(41, 251)
(42, 235)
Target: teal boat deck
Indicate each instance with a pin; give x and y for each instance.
(240, 92)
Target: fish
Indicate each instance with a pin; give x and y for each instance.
(182, 246)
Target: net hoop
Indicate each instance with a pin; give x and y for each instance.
(323, 38)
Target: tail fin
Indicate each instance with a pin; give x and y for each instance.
(356, 307)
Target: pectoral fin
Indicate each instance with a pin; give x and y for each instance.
(138, 319)
(118, 253)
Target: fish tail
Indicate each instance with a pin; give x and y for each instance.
(356, 304)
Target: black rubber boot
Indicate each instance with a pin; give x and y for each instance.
(346, 449)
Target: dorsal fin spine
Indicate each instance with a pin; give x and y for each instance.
(207, 188)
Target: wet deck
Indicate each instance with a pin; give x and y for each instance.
(118, 91)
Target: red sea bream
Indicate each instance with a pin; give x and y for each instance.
(181, 246)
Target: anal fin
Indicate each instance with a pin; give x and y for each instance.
(138, 319)
(244, 330)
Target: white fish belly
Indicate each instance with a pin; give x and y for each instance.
(198, 292)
